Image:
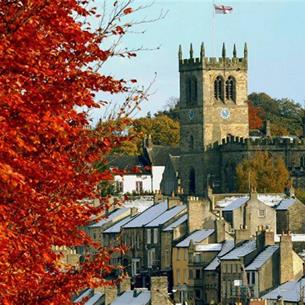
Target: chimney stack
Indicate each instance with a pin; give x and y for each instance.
(286, 258)
(159, 290)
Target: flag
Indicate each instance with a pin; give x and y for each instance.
(222, 9)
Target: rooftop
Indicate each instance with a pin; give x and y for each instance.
(110, 217)
(241, 250)
(285, 204)
(147, 216)
(116, 228)
(176, 223)
(262, 258)
(209, 247)
(227, 246)
(128, 297)
(166, 216)
(289, 291)
(93, 300)
(236, 203)
(196, 236)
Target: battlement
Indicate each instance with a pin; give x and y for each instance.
(245, 143)
(208, 63)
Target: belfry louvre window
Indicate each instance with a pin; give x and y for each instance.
(191, 91)
(218, 88)
(231, 89)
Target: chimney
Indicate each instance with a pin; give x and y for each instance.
(159, 290)
(242, 234)
(264, 238)
(134, 211)
(173, 201)
(124, 285)
(197, 212)
(286, 258)
(220, 228)
(158, 197)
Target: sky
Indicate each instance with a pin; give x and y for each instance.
(273, 29)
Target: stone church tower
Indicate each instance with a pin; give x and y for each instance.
(213, 105)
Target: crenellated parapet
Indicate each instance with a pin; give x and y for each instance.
(213, 63)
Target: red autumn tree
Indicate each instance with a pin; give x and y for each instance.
(255, 116)
(48, 67)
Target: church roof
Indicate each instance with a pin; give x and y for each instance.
(158, 154)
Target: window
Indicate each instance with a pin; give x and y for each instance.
(230, 88)
(191, 274)
(261, 213)
(302, 161)
(135, 265)
(148, 236)
(138, 241)
(94, 235)
(218, 88)
(178, 276)
(185, 254)
(185, 276)
(139, 187)
(191, 90)
(253, 278)
(119, 186)
(150, 257)
(156, 236)
(192, 182)
(198, 274)
(197, 258)
(191, 143)
(198, 294)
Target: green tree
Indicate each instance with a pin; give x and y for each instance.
(263, 172)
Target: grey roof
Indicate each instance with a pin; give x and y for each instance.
(235, 204)
(166, 216)
(125, 162)
(116, 228)
(262, 258)
(285, 204)
(142, 298)
(175, 160)
(176, 223)
(110, 217)
(208, 247)
(147, 216)
(158, 154)
(93, 300)
(196, 236)
(289, 291)
(227, 246)
(241, 250)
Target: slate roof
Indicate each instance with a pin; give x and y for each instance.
(147, 216)
(110, 217)
(175, 162)
(158, 154)
(236, 203)
(285, 204)
(93, 300)
(227, 246)
(289, 291)
(208, 247)
(176, 223)
(166, 216)
(262, 258)
(196, 236)
(116, 228)
(124, 162)
(241, 250)
(143, 298)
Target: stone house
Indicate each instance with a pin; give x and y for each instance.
(288, 216)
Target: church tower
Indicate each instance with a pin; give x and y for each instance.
(213, 105)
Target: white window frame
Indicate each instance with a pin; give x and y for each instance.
(156, 232)
(148, 236)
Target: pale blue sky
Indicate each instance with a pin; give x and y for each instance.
(273, 30)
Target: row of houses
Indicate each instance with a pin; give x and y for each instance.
(219, 249)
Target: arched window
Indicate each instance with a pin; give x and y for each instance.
(219, 88)
(231, 88)
(191, 143)
(302, 161)
(192, 182)
(191, 91)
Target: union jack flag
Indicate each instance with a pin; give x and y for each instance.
(222, 9)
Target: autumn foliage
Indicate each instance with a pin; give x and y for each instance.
(263, 173)
(47, 69)
(255, 116)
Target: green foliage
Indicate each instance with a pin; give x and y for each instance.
(262, 172)
(284, 114)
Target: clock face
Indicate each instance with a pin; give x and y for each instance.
(191, 114)
(225, 113)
